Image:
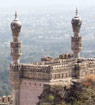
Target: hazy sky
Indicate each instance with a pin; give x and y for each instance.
(11, 5)
(44, 2)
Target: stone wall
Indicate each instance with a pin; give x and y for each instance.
(29, 91)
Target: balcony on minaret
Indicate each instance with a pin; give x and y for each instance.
(15, 44)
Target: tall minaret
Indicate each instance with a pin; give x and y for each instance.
(76, 40)
(15, 65)
(16, 44)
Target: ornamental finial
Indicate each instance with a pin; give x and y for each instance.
(76, 11)
(15, 15)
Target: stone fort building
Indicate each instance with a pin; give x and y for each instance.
(28, 79)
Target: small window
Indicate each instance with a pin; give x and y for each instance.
(29, 83)
(62, 75)
(40, 84)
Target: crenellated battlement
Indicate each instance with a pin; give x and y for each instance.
(6, 100)
(54, 69)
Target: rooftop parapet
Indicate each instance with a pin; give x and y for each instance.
(6, 100)
(65, 56)
(46, 58)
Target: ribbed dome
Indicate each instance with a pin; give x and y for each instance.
(76, 21)
(16, 24)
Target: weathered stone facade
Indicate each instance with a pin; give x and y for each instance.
(28, 79)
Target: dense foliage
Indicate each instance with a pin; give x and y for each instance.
(79, 93)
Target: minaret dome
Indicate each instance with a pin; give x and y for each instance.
(16, 27)
(76, 23)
